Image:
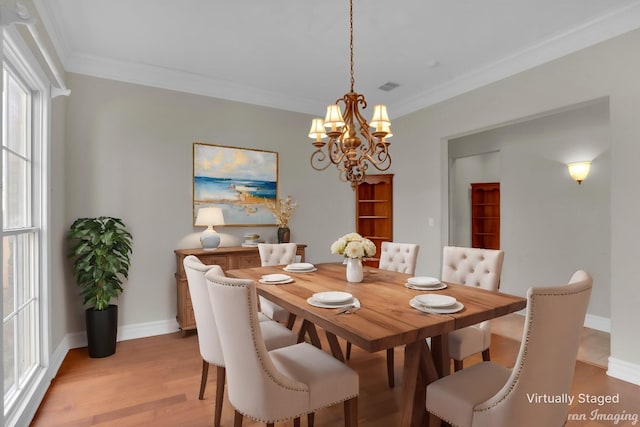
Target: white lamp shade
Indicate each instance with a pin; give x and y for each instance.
(317, 129)
(380, 116)
(579, 170)
(333, 119)
(209, 216)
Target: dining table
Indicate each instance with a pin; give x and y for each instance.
(384, 320)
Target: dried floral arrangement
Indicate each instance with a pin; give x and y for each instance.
(282, 209)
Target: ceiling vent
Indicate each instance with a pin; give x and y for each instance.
(388, 86)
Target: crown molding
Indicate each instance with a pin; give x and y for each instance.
(595, 31)
(181, 81)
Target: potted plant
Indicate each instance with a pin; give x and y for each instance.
(100, 251)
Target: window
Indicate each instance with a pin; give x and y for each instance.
(24, 329)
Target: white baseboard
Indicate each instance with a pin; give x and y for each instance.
(31, 404)
(149, 329)
(77, 340)
(623, 370)
(598, 323)
(129, 332)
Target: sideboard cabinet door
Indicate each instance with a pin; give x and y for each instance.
(228, 258)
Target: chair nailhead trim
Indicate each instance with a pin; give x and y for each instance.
(524, 353)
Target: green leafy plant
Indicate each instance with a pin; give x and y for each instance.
(100, 253)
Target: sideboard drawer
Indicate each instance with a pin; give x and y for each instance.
(249, 261)
(221, 260)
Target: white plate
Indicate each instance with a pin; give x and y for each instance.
(355, 302)
(300, 266)
(458, 306)
(435, 300)
(426, 288)
(275, 277)
(332, 297)
(282, 282)
(300, 271)
(423, 281)
(435, 285)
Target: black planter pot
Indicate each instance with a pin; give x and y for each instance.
(102, 331)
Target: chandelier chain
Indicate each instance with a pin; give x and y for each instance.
(353, 79)
(352, 146)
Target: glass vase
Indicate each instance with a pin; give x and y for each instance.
(354, 270)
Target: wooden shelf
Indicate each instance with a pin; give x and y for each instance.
(374, 211)
(485, 215)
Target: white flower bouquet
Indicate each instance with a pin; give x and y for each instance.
(353, 245)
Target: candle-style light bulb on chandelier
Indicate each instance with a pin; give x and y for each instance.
(345, 148)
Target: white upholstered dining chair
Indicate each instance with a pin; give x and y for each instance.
(274, 334)
(276, 254)
(490, 395)
(472, 267)
(271, 386)
(400, 257)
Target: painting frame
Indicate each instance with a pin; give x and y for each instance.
(237, 180)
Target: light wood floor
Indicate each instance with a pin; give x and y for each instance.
(154, 382)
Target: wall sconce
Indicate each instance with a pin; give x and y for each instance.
(579, 170)
(209, 217)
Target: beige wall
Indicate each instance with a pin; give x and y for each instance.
(129, 154)
(606, 70)
(550, 226)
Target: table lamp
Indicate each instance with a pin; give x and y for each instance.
(209, 217)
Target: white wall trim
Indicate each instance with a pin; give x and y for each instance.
(149, 329)
(32, 403)
(598, 323)
(165, 78)
(78, 340)
(598, 30)
(623, 370)
(128, 332)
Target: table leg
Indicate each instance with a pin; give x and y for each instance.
(291, 320)
(309, 328)
(413, 389)
(336, 350)
(428, 368)
(440, 352)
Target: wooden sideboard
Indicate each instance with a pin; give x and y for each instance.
(228, 258)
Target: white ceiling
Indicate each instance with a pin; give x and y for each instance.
(293, 54)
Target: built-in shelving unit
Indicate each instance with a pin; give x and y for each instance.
(485, 215)
(374, 211)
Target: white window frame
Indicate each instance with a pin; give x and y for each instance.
(16, 53)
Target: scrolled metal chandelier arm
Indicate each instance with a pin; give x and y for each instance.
(352, 146)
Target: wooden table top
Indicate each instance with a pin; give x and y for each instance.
(385, 319)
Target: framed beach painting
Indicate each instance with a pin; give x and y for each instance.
(238, 180)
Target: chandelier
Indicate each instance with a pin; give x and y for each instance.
(345, 148)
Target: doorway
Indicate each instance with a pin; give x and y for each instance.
(464, 171)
